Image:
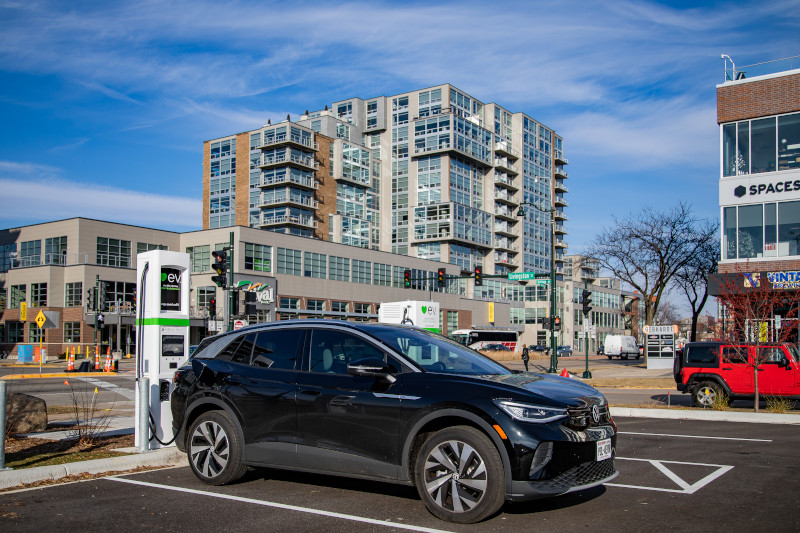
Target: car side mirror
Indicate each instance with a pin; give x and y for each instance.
(786, 364)
(371, 367)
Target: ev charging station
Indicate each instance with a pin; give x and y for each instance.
(162, 341)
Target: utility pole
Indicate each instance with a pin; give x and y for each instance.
(95, 301)
(586, 326)
(231, 263)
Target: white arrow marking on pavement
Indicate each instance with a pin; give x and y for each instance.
(686, 488)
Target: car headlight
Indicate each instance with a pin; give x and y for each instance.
(527, 412)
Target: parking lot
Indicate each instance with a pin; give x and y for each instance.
(683, 475)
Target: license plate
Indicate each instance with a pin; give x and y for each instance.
(603, 449)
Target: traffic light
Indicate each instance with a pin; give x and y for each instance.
(407, 279)
(133, 303)
(249, 303)
(557, 323)
(220, 266)
(587, 299)
(91, 296)
(478, 277)
(102, 299)
(440, 277)
(212, 307)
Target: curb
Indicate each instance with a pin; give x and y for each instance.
(711, 416)
(59, 375)
(160, 457)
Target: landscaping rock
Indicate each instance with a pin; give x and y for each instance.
(25, 413)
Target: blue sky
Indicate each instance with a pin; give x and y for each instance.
(105, 105)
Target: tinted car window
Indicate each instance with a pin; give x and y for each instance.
(332, 350)
(277, 348)
(239, 350)
(210, 346)
(772, 355)
(437, 353)
(702, 354)
(735, 354)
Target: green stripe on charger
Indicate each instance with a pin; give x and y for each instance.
(162, 322)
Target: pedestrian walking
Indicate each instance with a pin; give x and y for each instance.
(525, 356)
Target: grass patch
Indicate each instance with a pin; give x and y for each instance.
(60, 410)
(779, 405)
(25, 452)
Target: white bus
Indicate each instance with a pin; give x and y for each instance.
(477, 338)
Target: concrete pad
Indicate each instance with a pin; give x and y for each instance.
(708, 415)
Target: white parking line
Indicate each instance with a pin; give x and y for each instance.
(692, 436)
(685, 488)
(279, 506)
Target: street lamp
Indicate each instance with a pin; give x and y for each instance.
(553, 348)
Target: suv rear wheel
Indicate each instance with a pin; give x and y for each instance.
(214, 449)
(459, 475)
(706, 393)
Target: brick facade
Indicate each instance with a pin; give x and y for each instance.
(779, 265)
(326, 193)
(746, 100)
(242, 205)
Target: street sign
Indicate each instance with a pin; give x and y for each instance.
(239, 324)
(41, 319)
(525, 276)
(542, 281)
(23, 311)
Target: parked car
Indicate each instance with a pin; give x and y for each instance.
(601, 350)
(496, 348)
(564, 351)
(540, 348)
(390, 403)
(708, 370)
(622, 346)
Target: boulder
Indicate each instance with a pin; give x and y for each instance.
(25, 413)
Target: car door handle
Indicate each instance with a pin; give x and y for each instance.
(310, 392)
(727, 368)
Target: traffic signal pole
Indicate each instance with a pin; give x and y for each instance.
(231, 310)
(586, 308)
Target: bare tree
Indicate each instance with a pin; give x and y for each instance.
(647, 249)
(749, 329)
(667, 314)
(693, 277)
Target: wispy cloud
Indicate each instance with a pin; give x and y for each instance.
(35, 193)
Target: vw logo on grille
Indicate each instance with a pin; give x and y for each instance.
(595, 414)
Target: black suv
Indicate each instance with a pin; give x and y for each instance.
(390, 403)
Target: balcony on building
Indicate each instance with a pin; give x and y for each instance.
(560, 201)
(287, 198)
(506, 165)
(506, 181)
(505, 245)
(561, 243)
(560, 173)
(560, 215)
(505, 212)
(504, 258)
(560, 159)
(290, 140)
(560, 187)
(504, 148)
(288, 179)
(287, 220)
(502, 196)
(559, 229)
(503, 227)
(305, 162)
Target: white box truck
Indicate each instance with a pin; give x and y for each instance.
(413, 312)
(621, 346)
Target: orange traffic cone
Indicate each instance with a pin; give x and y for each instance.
(71, 361)
(564, 373)
(97, 357)
(108, 363)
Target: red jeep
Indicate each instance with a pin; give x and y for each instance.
(707, 370)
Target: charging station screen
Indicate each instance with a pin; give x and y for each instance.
(171, 289)
(172, 345)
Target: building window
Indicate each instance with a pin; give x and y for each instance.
(761, 145)
(16, 332)
(362, 310)
(35, 333)
(382, 275)
(55, 251)
(339, 268)
(288, 303)
(142, 247)
(73, 294)
(290, 261)
(8, 252)
(30, 253)
(204, 297)
(200, 258)
(315, 305)
(452, 321)
(38, 294)
(17, 296)
(113, 252)
(118, 292)
(315, 265)
(72, 332)
(257, 257)
(362, 271)
(761, 230)
(340, 307)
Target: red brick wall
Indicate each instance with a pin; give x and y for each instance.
(761, 266)
(758, 99)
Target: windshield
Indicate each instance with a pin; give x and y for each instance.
(436, 353)
(795, 352)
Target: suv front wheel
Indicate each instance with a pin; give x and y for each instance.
(459, 475)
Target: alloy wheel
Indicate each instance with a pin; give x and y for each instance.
(455, 476)
(209, 449)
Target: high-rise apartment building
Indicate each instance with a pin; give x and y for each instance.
(433, 174)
